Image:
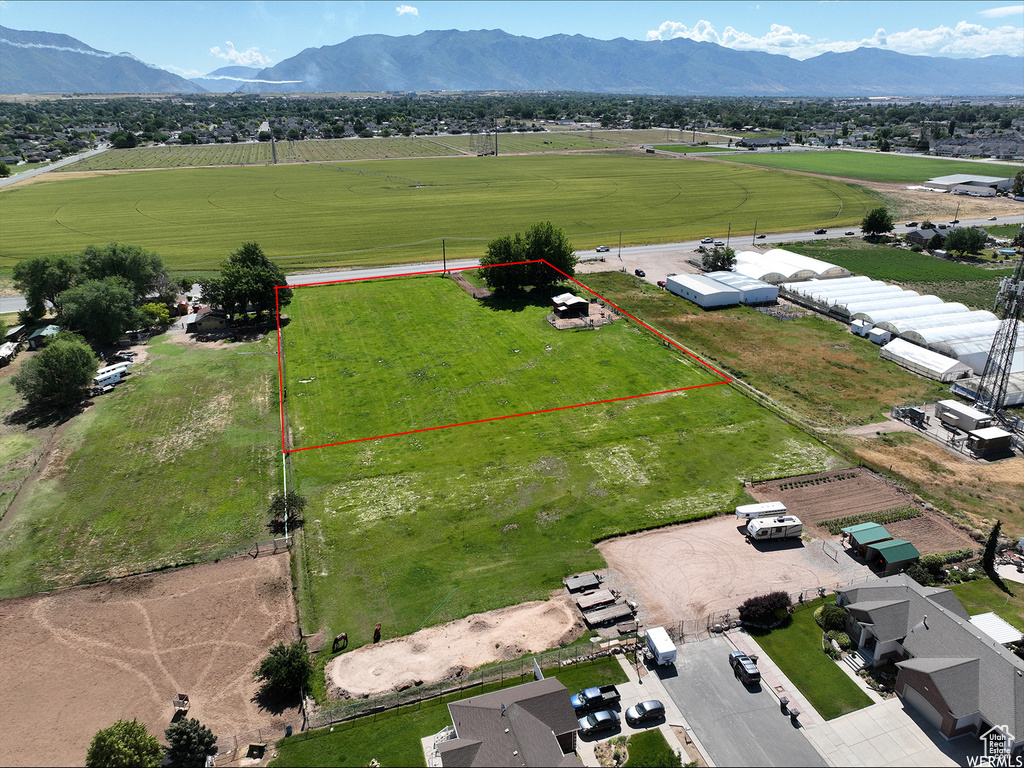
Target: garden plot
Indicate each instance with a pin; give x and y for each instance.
(77, 660)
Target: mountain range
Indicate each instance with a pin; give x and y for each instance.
(485, 60)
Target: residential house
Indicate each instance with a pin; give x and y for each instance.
(953, 668)
(206, 319)
(919, 237)
(527, 725)
(38, 338)
(759, 143)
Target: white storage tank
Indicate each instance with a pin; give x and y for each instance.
(703, 291)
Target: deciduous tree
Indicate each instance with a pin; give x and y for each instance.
(59, 374)
(101, 309)
(43, 278)
(189, 743)
(1018, 184)
(247, 278)
(285, 671)
(966, 240)
(541, 242)
(143, 271)
(988, 559)
(877, 221)
(719, 259)
(124, 744)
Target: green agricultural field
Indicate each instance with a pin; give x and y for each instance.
(871, 166)
(429, 527)
(315, 214)
(440, 357)
(814, 367)
(176, 465)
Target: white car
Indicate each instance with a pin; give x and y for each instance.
(707, 240)
(602, 249)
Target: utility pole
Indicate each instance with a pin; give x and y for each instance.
(728, 235)
(444, 257)
(620, 245)
(754, 236)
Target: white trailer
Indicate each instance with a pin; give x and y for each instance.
(111, 377)
(123, 367)
(661, 646)
(765, 509)
(765, 528)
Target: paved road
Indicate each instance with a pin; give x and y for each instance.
(51, 167)
(737, 724)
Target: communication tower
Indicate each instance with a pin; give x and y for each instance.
(1009, 306)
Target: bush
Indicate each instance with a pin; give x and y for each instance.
(841, 638)
(765, 609)
(832, 618)
(920, 575)
(933, 564)
(124, 744)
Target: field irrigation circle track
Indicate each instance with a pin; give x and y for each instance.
(75, 661)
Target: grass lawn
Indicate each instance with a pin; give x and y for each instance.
(433, 526)
(870, 166)
(983, 596)
(174, 466)
(796, 649)
(393, 737)
(650, 749)
(813, 366)
(436, 357)
(310, 215)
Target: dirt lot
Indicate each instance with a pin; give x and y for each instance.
(441, 653)
(856, 491)
(688, 571)
(77, 660)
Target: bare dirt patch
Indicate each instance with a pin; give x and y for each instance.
(691, 570)
(447, 651)
(857, 491)
(77, 660)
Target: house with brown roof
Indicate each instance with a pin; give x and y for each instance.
(954, 670)
(527, 725)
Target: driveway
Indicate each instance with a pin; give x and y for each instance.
(736, 724)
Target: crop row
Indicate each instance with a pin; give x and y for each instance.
(817, 480)
(836, 524)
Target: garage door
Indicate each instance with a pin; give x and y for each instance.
(918, 702)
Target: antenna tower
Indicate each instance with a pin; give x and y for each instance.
(1009, 305)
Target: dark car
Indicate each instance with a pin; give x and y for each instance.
(662, 284)
(744, 667)
(645, 712)
(851, 232)
(910, 224)
(602, 249)
(820, 231)
(639, 273)
(599, 721)
(761, 237)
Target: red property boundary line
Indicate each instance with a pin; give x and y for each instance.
(280, 364)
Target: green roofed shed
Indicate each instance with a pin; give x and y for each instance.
(894, 553)
(863, 534)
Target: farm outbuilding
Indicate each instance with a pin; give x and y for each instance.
(17, 333)
(752, 292)
(924, 362)
(206, 320)
(40, 336)
(863, 534)
(989, 440)
(931, 309)
(974, 351)
(937, 335)
(866, 309)
(570, 305)
(969, 182)
(895, 554)
(703, 291)
(965, 417)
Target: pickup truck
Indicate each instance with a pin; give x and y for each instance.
(595, 698)
(744, 667)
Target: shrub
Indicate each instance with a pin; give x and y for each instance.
(833, 618)
(919, 574)
(933, 564)
(765, 609)
(841, 638)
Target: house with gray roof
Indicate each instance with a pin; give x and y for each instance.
(959, 677)
(527, 725)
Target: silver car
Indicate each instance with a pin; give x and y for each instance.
(599, 721)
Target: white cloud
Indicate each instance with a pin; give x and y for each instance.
(965, 40)
(406, 10)
(250, 57)
(1006, 10)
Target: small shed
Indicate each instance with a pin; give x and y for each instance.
(863, 534)
(17, 333)
(956, 414)
(570, 305)
(861, 327)
(206, 320)
(924, 362)
(895, 554)
(40, 336)
(703, 291)
(879, 336)
(989, 440)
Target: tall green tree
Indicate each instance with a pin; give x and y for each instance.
(719, 259)
(877, 221)
(5, 170)
(285, 671)
(101, 309)
(988, 559)
(143, 271)
(966, 240)
(124, 744)
(189, 743)
(1018, 184)
(59, 374)
(43, 278)
(542, 242)
(249, 278)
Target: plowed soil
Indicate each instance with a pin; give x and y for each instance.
(75, 661)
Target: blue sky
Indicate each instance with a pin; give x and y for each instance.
(192, 38)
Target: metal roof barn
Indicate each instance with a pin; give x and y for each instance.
(751, 291)
(703, 291)
(924, 362)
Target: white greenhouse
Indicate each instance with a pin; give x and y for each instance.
(924, 362)
(1014, 388)
(780, 266)
(927, 337)
(901, 327)
(752, 291)
(881, 317)
(703, 291)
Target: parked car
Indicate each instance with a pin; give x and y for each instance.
(762, 237)
(707, 240)
(645, 712)
(595, 698)
(639, 272)
(599, 721)
(744, 667)
(662, 284)
(820, 231)
(719, 243)
(602, 249)
(850, 232)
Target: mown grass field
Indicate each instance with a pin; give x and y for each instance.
(812, 366)
(434, 526)
(174, 466)
(436, 356)
(685, 149)
(393, 737)
(983, 596)
(871, 166)
(313, 215)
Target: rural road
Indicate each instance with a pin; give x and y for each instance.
(51, 167)
(657, 260)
